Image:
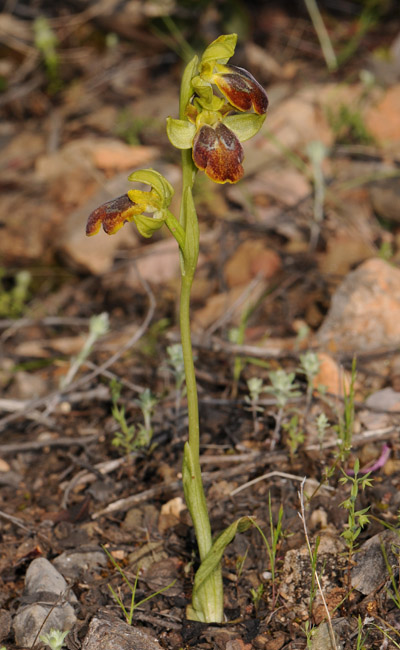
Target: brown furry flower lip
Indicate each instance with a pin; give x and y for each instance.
(219, 153)
(111, 215)
(241, 89)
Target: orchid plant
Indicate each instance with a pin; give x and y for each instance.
(221, 106)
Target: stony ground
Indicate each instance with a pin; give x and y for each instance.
(298, 283)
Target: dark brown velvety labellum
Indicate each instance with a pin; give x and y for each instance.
(242, 90)
(219, 153)
(109, 215)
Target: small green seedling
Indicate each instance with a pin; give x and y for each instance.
(125, 438)
(13, 301)
(256, 387)
(130, 437)
(128, 612)
(276, 535)
(309, 365)
(361, 637)
(256, 595)
(283, 388)
(322, 423)
(147, 403)
(357, 519)
(54, 639)
(295, 434)
(46, 42)
(394, 594)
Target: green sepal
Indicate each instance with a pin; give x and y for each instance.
(147, 226)
(244, 125)
(157, 181)
(180, 133)
(221, 49)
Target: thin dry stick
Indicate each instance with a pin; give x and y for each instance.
(290, 477)
(43, 401)
(38, 445)
(302, 516)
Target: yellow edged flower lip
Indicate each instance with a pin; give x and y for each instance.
(241, 89)
(132, 206)
(112, 215)
(218, 152)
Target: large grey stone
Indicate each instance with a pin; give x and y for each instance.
(47, 603)
(113, 634)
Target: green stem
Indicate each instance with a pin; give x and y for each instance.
(191, 387)
(207, 603)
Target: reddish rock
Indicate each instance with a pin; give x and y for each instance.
(365, 310)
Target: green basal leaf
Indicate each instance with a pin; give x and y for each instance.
(214, 556)
(148, 225)
(244, 125)
(221, 49)
(180, 133)
(157, 181)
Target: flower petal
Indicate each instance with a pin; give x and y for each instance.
(180, 133)
(112, 215)
(157, 182)
(244, 125)
(241, 89)
(219, 153)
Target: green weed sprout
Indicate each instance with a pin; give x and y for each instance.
(283, 388)
(256, 387)
(322, 423)
(128, 613)
(126, 436)
(257, 594)
(46, 42)
(54, 639)
(395, 593)
(131, 438)
(276, 535)
(220, 106)
(295, 434)
(357, 519)
(147, 403)
(345, 426)
(361, 639)
(309, 365)
(12, 302)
